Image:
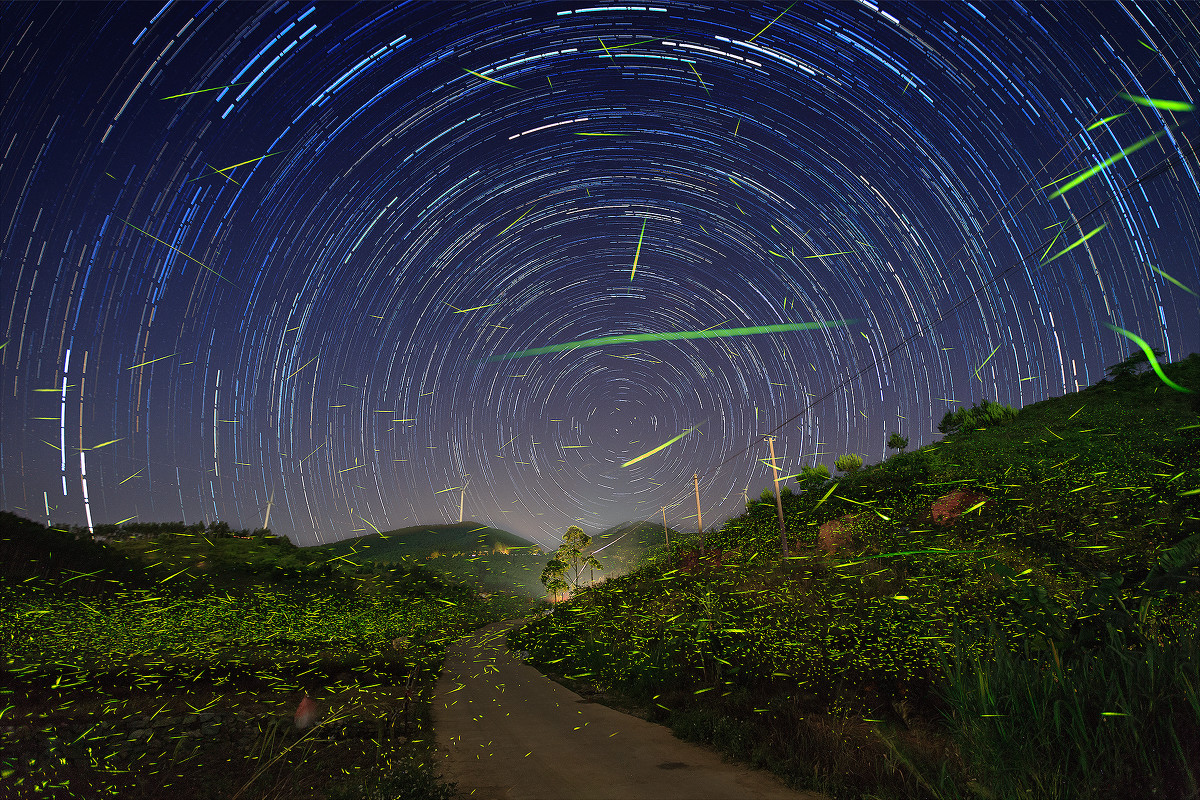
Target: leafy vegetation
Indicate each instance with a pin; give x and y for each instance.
(185, 651)
(1012, 612)
(569, 561)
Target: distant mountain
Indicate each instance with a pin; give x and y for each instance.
(422, 541)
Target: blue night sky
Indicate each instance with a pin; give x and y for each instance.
(256, 252)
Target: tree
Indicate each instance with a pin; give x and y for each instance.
(849, 464)
(552, 578)
(569, 560)
(1132, 364)
(812, 477)
(897, 442)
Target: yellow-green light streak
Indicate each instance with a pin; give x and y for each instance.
(177, 250)
(667, 337)
(199, 91)
(772, 22)
(1108, 162)
(493, 80)
(1149, 355)
(1162, 105)
(1076, 244)
(151, 361)
(662, 446)
(639, 249)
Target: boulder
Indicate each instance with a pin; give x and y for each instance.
(949, 508)
(837, 533)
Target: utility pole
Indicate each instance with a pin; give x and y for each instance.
(699, 519)
(664, 526)
(778, 500)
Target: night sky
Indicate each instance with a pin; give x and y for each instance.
(300, 286)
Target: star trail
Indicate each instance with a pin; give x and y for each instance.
(329, 261)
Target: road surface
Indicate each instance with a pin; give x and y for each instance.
(507, 732)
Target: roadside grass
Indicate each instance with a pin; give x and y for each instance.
(1063, 601)
(188, 691)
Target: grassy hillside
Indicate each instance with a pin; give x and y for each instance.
(488, 559)
(172, 660)
(1011, 612)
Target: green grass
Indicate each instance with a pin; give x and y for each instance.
(852, 672)
(104, 680)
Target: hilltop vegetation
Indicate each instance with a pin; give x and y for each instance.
(1011, 612)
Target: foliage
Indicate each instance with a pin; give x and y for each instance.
(411, 779)
(897, 442)
(982, 415)
(1132, 365)
(1084, 549)
(30, 550)
(570, 560)
(1119, 721)
(183, 627)
(849, 464)
(812, 477)
(552, 577)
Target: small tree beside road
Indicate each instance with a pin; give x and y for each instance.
(569, 562)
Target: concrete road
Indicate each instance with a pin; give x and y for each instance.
(507, 731)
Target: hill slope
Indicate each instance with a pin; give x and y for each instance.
(422, 541)
(978, 594)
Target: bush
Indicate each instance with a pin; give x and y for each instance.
(982, 415)
(849, 464)
(812, 477)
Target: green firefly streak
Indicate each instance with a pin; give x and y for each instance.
(1073, 246)
(662, 446)
(1172, 280)
(638, 252)
(1163, 105)
(1095, 125)
(1150, 355)
(667, 337)
(1133, 148)
(493, 80)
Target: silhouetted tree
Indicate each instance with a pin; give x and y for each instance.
(1132, 365)
(897, 442)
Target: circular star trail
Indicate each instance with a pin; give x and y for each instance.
(291, 256)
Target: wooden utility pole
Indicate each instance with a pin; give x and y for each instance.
(778, 500)
(699, 519)
(665, 527)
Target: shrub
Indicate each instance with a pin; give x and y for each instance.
(849, 464)
(983, 414)
(812, 477)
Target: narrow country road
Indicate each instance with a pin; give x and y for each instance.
(506, 731)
